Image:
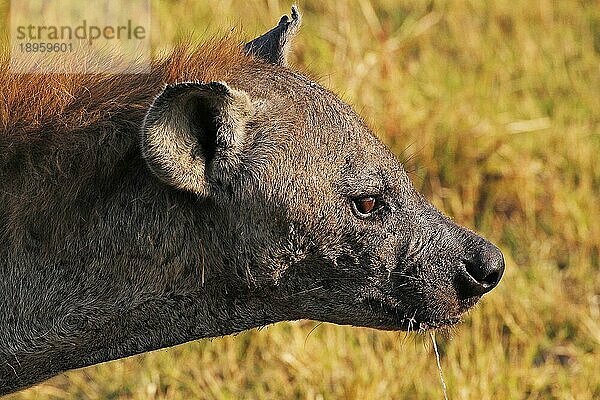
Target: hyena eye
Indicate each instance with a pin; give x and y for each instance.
(364, 206)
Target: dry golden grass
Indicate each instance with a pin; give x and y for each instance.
(495, 106)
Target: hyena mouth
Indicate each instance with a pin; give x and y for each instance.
(439, 323)
(396, 318)
(411, 324)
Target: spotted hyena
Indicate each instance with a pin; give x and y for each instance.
(223, 191)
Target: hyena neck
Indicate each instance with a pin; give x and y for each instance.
(42, 334)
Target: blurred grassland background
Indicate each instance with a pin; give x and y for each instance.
(495, 108)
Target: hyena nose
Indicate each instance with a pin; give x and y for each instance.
(482, 270)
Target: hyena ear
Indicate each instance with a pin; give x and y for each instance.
(193, 134)
(274, 45)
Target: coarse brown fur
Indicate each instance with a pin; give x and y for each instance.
(73, 123)
(50, 111)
